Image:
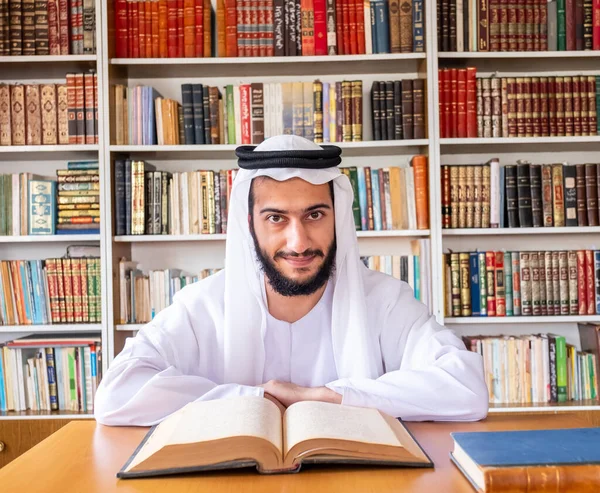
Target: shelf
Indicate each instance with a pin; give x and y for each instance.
(522, 140)
(50, 148)
(18, 415)
(51, 329)
(520, 54)
(520, 231)
(49, 238)
(524, 320)
(546, 407)
(47, 58)
(128, 327)
(266, 60)
(223, 237)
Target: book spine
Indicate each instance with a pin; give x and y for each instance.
(581, 283)
(526, 294)
(563, 265)
(465, 285)
(481, 261)
(490, 262)
(590, 282)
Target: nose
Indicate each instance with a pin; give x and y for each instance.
(298, 240)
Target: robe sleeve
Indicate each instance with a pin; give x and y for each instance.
(156, 374)
(429, 374)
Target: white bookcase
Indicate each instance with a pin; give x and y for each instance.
(192, 253)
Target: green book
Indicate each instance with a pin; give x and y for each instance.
(3, 208)
(561, 368)
(592, 367)
(561, 22)
(508, 284)
(230, 114)
(355, 204)
(72, 377)
(482, 285)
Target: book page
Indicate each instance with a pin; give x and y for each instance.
(308, 419)
(213, 420)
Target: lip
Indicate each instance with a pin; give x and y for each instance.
(299, 261)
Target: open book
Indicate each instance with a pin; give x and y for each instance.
(252, 431)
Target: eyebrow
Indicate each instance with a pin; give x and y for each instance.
(308, 209)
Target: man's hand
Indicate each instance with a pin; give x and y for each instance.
(289, 393)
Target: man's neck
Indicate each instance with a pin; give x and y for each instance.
(291, 308)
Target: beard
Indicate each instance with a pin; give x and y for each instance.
(285, 286)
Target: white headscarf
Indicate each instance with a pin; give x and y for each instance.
(355, 351)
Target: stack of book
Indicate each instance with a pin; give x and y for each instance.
(526, 283)
(249, 113)
(142, 296)
(398, 109)
(51, 291)
(50, 374)
(520, 196)
(243, 28)
(50, 114)
(391, 198)
(79, 199)
(535, 368)
(486, 25)
(55, 27)
(517, 106)
(407, 268)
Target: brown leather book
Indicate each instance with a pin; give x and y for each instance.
(536, 25)
(570, 24)
(576, 95)
(88, 81)
(80, 107)
(406, 26)
(477, 198)
(419, 108)
(369, 189)
(487, 107)
(419, 164)
(189, 29)
(485, 196)
(18, 114)
(513, 26)
(592, 109)
(257, 106)
(494, 24)
(496, 95)
(527, 100)
(213, 101)
(72, 108)
(535, 106)
(558, 195)
(62, 113)
(520, 96)
(41, 27)
(347, 110)
(553, 124)
(580, 183)
(407, 109)
(454, 196)
(560, 107)
(207, 29)
(568, 97)
(5, 111)
(520, 8)
(394, 20)
(483, 38)
(33, 115)
(544, 108)
(462, 196)
(547, 196)
(28, 26)
(446, 210)
(504, 104)
(583, 96)
(511, 87)
(469, 185)
(597, 189)
(357, 116)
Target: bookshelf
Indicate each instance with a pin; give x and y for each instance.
(195, 252)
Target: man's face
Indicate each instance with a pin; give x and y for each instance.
(293, 227)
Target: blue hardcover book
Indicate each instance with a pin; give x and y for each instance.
(475, 291)
(2, 388)
(362, 197)
(35, 284)
(25, 292)
(382, 26)
(417, 277)
(373, 27)
(376, 200)
(419, 26)
(83, 165)
(502, 200)
(483, 457)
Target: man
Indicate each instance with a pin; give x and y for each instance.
(295, 315)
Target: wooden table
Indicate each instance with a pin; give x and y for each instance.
(84, 457)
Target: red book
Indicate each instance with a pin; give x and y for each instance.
(596, 25)
(442, 116)
(360, 27)
(239, 6)
(500, 286)
(581, 282)
(172, 28)
(63, 23)
(245, 112)
(320, 28)
(448, 102)
(590, 282)
(346, 22)
(262, 20)
(352, 26)
(189, 28)
(269, 35)
(471, 102)
(149, 53)
(141, 16)
(490, 264)
(163, 29)
(180, 30)
(199, 27)
(255, 24)
(308, 30)
(570, 24)
(339, 23)
(135, 30)
(454, 103)
(461, 105)
(231, 35)
(53, 37)
(155, 29)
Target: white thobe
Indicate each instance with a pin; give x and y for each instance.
(426, 373)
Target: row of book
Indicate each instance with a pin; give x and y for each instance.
(54, 27)
(526, 283)
(148, 201)
(517, 106)
(69, 203)
(519, 25)
(50, 291)
(407, 268)
(249, 113)
(50, 374)
(539, 368)
(142, 295)
(248, 28)
(521, 195)
(50, 114)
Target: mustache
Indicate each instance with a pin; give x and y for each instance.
(306, 253)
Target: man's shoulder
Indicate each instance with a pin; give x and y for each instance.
(210, 288)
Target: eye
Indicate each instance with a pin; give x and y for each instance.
(274, 219)
(315, 215)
